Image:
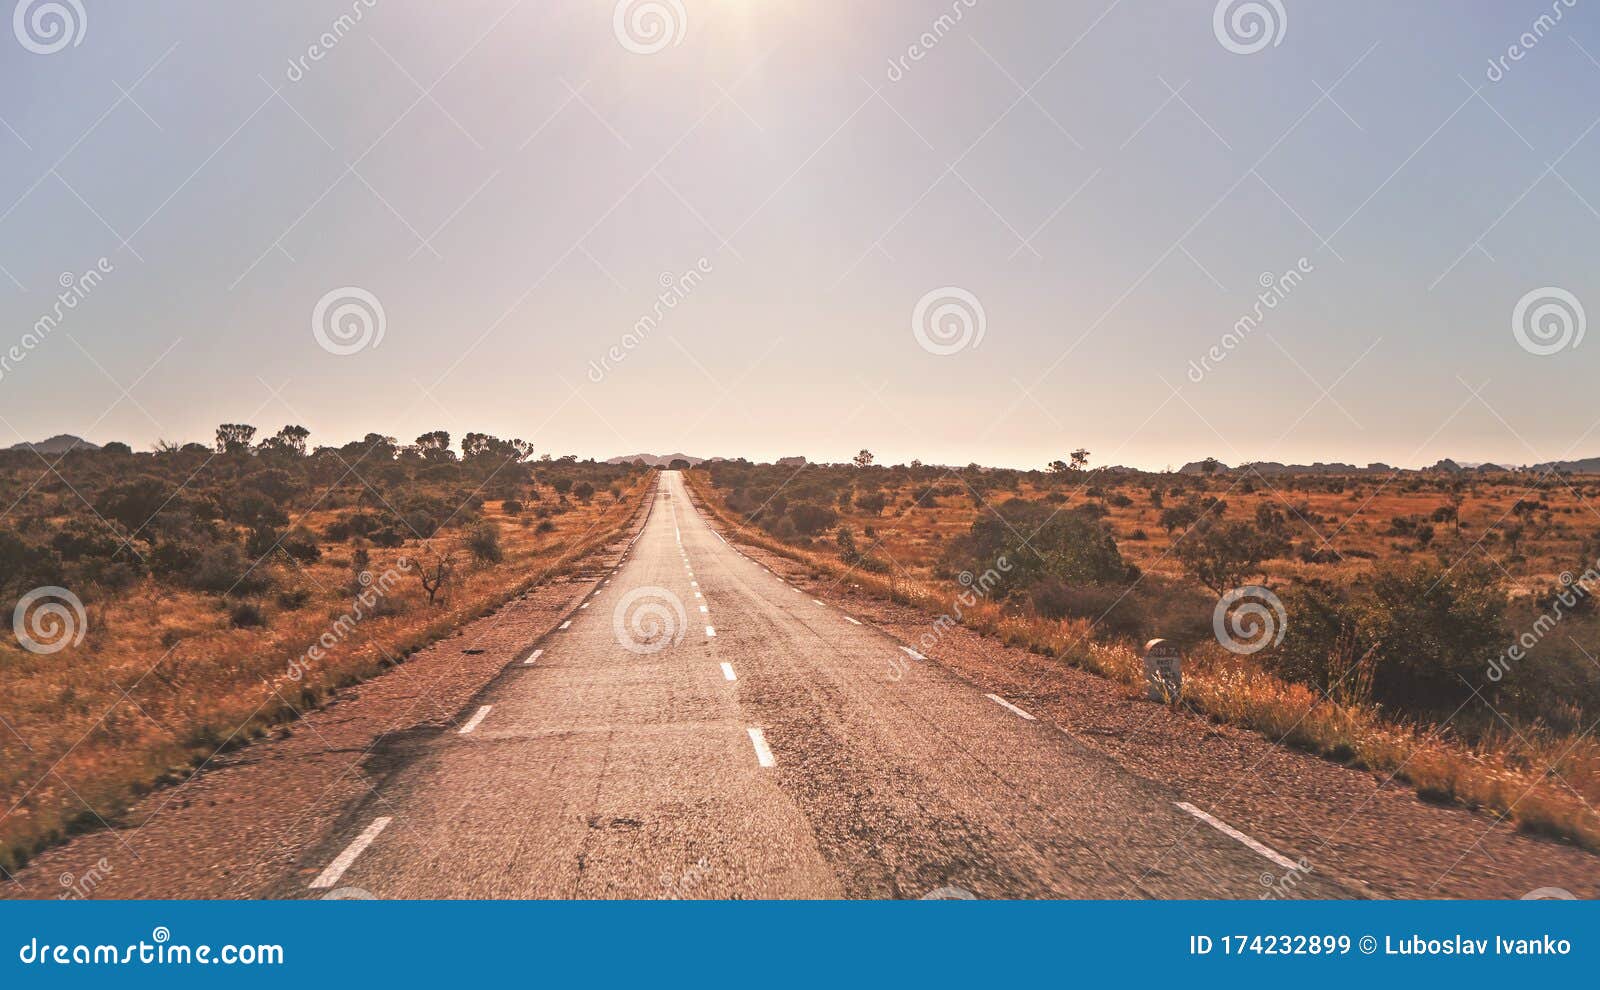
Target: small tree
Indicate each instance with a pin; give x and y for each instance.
(234, 437)
(863, 459)
(1221, 555)
(1080, 459)
(437, 574)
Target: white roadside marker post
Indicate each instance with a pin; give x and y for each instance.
(1163, 670)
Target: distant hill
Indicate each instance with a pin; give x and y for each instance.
(1446, 466)
(58, 444)
(1589, 465)
(657, 460)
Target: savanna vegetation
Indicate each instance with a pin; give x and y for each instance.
(1435, 626)
(225, 588)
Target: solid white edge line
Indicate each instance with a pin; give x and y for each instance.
(335, 870)
(856, 621)
(1234, 833)
(711, 631)
(758, 739)
(476, 720)
(727, 672)
(1006, 704)
(913, 654)
(532, 657)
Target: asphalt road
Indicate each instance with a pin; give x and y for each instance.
(700, 728)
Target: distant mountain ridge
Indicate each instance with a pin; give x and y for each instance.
(58, 444)
(657, 460)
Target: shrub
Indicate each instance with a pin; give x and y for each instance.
(222, 569)
(511, 507)
(1113, 611)
(483, 542)
(293, 598)
(247, 615)
(1039, 543)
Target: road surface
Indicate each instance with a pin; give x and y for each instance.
(700, 728)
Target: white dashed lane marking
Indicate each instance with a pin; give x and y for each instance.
(817, 603)
(1234, 833)
(727, 672)
(758, 739)
(532, 657)
(1003, 703)
(856, 621)
(567, 624)
(711, 632)
(336, 869)
(476, 720)
(913, 654)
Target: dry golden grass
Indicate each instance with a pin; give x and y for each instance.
(163, 681)
(1544, 782)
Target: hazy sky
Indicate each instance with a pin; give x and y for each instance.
(513, 182)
